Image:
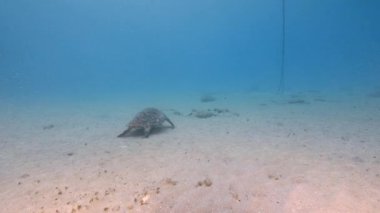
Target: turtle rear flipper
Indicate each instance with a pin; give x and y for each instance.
(125, 133)
(169, 121)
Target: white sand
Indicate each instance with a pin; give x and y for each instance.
(274, 157)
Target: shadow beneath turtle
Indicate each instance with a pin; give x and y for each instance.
(154, 131)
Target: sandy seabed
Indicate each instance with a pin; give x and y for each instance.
(267, 155)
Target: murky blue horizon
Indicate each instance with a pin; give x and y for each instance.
(104, 48)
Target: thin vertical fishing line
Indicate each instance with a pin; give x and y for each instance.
(282, 74)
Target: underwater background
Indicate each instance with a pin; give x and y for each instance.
(94, 48)
(276, 107)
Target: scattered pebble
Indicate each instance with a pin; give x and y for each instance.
(116, 209)
(25, 175)
(169, 181)
(274, 177)
(235, 196)
(144, 200)
(206, 182)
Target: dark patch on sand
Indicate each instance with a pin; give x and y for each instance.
(206, 182)
(297, 101)
(211, 113)
(26, 175)
(207, 98)
(357, 159)
(375, 94)
(47, 127)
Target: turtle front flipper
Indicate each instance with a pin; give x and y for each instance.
(147, 131)
(169, 121)
(125, 133)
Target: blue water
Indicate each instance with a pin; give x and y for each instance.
(104, 48)
(73, 73)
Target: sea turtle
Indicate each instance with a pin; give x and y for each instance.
(146, 120)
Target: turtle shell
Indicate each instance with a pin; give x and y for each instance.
(146, 120)
(149, 117)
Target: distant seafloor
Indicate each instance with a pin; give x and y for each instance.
(304, 152)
